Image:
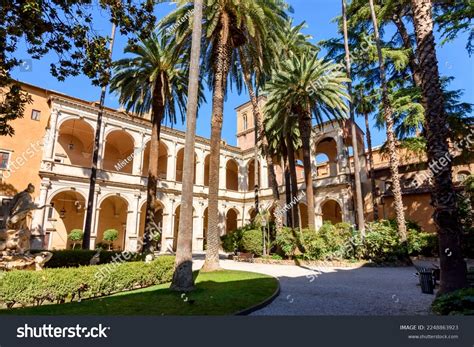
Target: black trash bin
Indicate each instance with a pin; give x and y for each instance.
(426, 281)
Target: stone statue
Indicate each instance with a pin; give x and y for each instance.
(15, 239)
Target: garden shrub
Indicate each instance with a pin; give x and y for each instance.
(76, 236)
(252, 242)
(314, 245)
(232, 242)
(286, 242)
(460, 302)
(72, 284)
(75, 258)
(111, 235)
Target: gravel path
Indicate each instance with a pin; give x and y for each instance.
(340, 291)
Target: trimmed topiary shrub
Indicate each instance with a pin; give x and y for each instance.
(110, 236)
(252, 242)
(28, 288)
(460, 302)
(76, 236)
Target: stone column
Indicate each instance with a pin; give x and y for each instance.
(168, 227)
(38, 223)
(200, 167)
(133, 222)
(138, 156)
(263, 173)
(342, 155)
(171, 167)
(51, 134)
(222, 172)
(242, 177)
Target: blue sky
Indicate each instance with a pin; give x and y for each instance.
(318, 14)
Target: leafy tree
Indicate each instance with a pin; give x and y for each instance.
(110, 236)
(446, 214)
(155, 79)
(307, 87)
(65, 28)
(76, 236)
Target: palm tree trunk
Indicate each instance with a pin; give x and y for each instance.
(391, 141)
(221, 70)
(371, 168)
(287, 179)
(305, 130)
(355, 146)
(294, 181)
(183, 274)
(446, 218)
(156, 118)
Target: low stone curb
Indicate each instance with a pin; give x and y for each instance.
(264, 303)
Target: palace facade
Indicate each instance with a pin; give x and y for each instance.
(53, 144)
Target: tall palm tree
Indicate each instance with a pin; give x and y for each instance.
(453, 266)
(305, 86)
(391, 140)
(364, 106)
(155, 80)
(355, 145)
(183, 275)
(228, 25)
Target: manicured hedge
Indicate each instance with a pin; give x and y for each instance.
(75, 258)
(28, 288)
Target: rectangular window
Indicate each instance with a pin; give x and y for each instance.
(35, 114)
(4, 156)
(51, 211)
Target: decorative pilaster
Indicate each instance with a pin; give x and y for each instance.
(51, 135)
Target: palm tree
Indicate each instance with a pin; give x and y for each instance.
(364, 106)
(355, 146)
(183, 275)
(154, 79)
(453, 266)
(391, 140)
(228, 25)
(305, 86)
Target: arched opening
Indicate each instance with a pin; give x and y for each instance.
(461, 176)
(331, 212)
(113, 214)
(326, 157)
(231, 221)
(119, 152)
(177, 215)
(65, 214)
(251, 175)
(252, 214)
(158, 218)
(206, 170)
(232, 175)
(179, 166)
(162, 160)
(303, 215)
(75, 143)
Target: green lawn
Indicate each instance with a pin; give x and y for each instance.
(218, 293)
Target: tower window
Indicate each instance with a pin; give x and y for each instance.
(245, 122)
(35, 114)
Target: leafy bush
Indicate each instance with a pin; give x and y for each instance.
(460, 302)
(286, 242)
(79, 257)
(252, 242)
(76, 236)
(232, 242)
(314, 245)
(382, 242)
(72, 284)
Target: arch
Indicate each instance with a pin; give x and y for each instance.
(66, 213)
(251, 175)
(231, 220)
(326, 157)
(331, 211)
(119, 152)
(252, 214)
(75, 142)
(232, 175)
(159, 211)
(113, 214)
(162, 160)
(180, 163)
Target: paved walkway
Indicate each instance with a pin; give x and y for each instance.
(340, 291)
